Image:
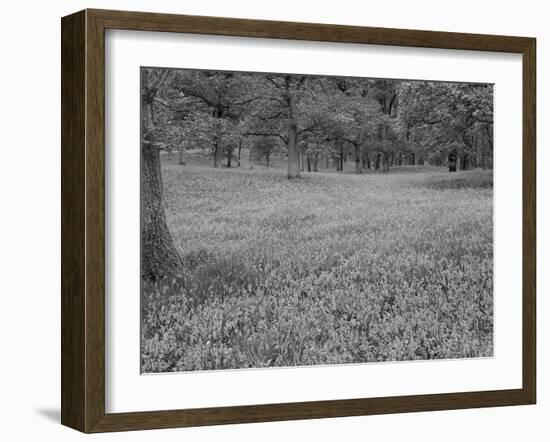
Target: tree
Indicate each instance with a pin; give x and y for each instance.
(449, 123)
(218, 100)
(360, 118)
(159, 256)
(264, 148)
(216, 136)
(387, 122)
(277, 115)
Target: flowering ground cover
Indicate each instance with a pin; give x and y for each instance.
(329, 268)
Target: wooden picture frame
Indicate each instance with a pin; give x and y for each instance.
(83, 220)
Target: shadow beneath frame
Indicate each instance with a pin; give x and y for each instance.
(51, 414)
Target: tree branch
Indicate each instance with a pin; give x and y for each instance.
(272, 81)
(249, 100)
(266, 134)
(281, 114)
(281, 102)
(197, 95)
(163, 102)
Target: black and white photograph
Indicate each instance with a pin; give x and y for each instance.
(299, 220)
(266, 221)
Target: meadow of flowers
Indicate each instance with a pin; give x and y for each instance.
(332, 268)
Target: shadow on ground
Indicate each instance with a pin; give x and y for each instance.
(51, 414)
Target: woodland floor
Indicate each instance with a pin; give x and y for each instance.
(331, 268)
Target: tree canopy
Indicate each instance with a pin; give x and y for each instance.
(378, 123)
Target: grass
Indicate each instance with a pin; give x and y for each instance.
(331, 268)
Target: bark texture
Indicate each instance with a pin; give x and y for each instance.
(358, 158)
(293, 153)
(159, 256)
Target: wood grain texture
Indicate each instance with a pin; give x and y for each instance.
(73, 130)
(83, 220)
(144, 21)
(529, 221)
(95, 221)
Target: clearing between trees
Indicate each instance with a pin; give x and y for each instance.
(330, 268)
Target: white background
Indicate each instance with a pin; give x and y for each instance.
(128, 391)
(30, 232)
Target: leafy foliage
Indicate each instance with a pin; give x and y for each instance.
(394, 121)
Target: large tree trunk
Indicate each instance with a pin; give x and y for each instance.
(216, 154)
(358, 154)
(293, 170)
(339, 145)
(159, 256)
(293, 153)
(229, 156)
(385, 163)
(239, 152)
(452, 160)
(367, 160)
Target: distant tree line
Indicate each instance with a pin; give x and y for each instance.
(376, 123)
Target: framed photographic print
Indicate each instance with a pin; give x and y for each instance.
(267, 221)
